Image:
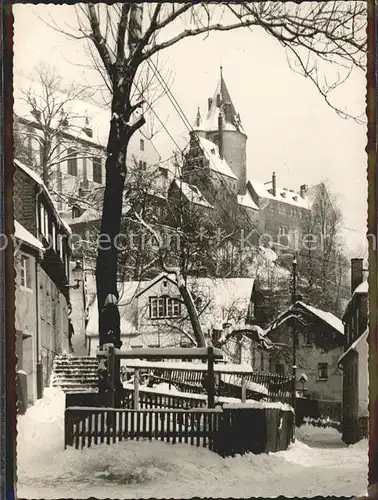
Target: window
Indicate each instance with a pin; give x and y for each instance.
(164, 307)
(97, 170)
(60, 246)
(42, 228)
(280, 369)
(141, 145)
(67, 266)
(53, 236)
(72, 162)
(46, 224)
(322, 371)
(25, 278)
(308, 340)
(76, 212)
(142, 165)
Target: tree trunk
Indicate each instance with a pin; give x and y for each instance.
(192, 311)
(106, 264)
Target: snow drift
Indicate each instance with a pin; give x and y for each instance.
(142, 469)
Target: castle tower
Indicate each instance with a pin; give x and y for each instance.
(222, 126)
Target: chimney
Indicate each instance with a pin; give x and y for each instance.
(274, 184)
(357, 273)
(220, 128)
(303, 190)
(209, 103)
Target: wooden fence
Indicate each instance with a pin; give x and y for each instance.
(151, 399)
(278, 387)
(87, 426)
(227, 431)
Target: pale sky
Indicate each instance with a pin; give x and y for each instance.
(290, 128)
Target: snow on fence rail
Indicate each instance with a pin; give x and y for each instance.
(154, 398)
(267, 385)
(158, 398)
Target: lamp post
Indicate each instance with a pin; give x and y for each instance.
(294, 368)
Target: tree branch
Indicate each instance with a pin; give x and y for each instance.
(122, 31)
(194, 32)
(99, 41)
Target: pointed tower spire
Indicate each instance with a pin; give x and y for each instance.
(198, 121)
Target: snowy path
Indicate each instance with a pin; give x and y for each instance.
(317, 464)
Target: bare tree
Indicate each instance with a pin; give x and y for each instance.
(126, 36)
(53, 131)
(322, 265)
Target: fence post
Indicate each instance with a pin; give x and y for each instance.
(210, 377)
(136, 388)
(111, 378)
(243, 389)
(68, 429)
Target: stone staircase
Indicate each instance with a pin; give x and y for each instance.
(75, 374)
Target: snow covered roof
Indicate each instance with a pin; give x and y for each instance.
(216, 163)
(282, 195)
(362, 288)
(90, 215)
(327, 317)
(94, 214)
(246, 201)
(37, 179)
(24, 235)
(231, 119)
(354, 346)
(192, 194)
(225, 299)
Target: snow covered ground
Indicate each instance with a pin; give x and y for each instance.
(318, 463)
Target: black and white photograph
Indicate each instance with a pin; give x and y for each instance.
(190, 199)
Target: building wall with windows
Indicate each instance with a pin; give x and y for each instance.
(43, 307)
(317, 355)
(53, 313)
(26, 317)
(78, 162)
(159, 309)
(354, 361)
